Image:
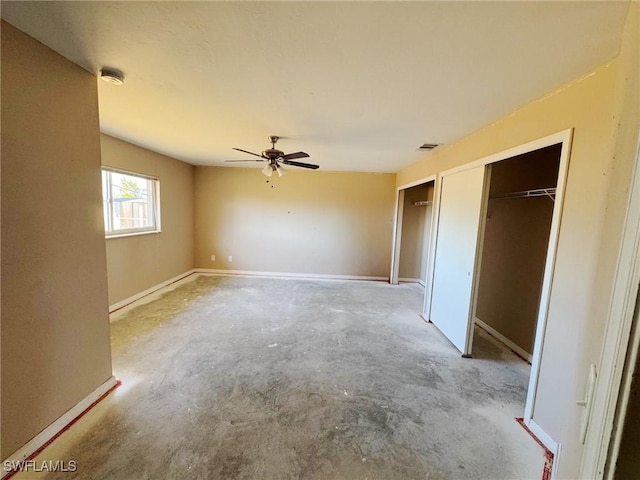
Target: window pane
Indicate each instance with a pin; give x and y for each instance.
(129, 202)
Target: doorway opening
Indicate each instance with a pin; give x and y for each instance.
(414, 226)
(517, 227)
(623, 461)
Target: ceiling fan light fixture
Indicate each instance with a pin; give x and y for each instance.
(281, 171)
(267, 170)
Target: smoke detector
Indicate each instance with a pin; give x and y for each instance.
(111, 75)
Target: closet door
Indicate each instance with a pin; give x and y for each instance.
(462, 200)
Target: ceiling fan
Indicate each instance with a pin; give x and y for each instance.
(276, 158)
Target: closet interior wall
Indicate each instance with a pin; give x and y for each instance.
(416, 232)
(516, 239)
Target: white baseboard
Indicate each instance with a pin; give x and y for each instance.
(412, 280)
(312, 276)
(548, 442)
(57, 426)
(493, 332)
(144, 293)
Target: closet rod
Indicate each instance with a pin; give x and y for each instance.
(423, 203)
(538, 192)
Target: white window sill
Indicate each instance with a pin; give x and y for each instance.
(131, 234)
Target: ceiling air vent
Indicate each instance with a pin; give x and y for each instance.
(427, 146)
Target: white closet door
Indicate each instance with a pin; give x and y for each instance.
(461, 205)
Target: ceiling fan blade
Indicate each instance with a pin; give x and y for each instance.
(291, 156)
(250, 153)
(300, 164)
(261, 160)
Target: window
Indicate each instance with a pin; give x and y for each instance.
(131, 203)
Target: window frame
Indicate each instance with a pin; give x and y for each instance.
(154, 196)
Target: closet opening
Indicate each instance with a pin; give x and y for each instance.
(414, 227)
(491, 266)
(415, 232)
(514, 247)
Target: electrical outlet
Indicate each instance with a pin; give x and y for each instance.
(230, 258)
(213, 258)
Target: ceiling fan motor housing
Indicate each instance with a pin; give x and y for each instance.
(272, 153)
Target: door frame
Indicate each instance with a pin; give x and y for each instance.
(564, 138)
(397, 228)
(612, 390)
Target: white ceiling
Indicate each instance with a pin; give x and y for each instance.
(357, 85)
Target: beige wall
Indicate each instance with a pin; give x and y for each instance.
(305, 222)
(627, 120)
(516, 238)
(596, 192)
(139, 262)
(55, 327)
(416, 223)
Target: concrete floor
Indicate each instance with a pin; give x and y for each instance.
(257, 378)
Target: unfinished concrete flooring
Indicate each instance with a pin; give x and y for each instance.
(258, 378)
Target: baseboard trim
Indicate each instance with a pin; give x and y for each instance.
(38, 443)
(123, 303)
(494, 333)
(412, 280)
(549, 444)
(543, 437)
(311, 276)
(550, 457)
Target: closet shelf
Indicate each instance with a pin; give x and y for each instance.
(423, 203)
(538, 192)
